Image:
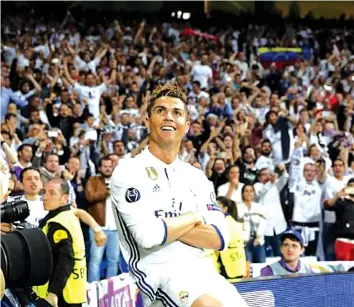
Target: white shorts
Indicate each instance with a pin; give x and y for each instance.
(181, 287)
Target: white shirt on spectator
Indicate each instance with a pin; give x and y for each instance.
(202, 73)
(243, 67)
(332, 187)
(93, 95)
(24, 97)
(83, 66)
(268, 195)
(265, 162)
(275, 139)
(307, 201)
(254, 218)
(22, 61)
(193, 97)
(35, 207)
(236, 194)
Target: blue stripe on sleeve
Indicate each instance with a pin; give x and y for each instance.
(165, 235)
(220, 236)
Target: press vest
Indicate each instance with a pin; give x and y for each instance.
(278, 269)
(232, 261)
(74, 291)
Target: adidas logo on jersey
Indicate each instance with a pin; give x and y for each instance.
(156, 188)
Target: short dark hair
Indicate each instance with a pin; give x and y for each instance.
(196, 122)
(350, 181)
(290, 237)
(105, 158)
(22, 146)
(45, 157)
(116, 142)
(7, 133)
(9, 115)
(338, 159)
(197, 83)
(266, 141)
(27, 169)
(88, 116)
(34, 109)
(167, 90)
(64, 187)
(321, 161)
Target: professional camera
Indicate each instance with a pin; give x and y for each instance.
(22, 266)
(14, 211)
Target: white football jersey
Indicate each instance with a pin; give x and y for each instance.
(145, 192)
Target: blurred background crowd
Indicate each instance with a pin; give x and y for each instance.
(271, 128)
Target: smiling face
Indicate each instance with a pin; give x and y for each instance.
(168, 122)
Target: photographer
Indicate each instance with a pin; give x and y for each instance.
(19, 269)
(343, 205)
(67, 284)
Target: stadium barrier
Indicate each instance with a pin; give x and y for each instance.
(317, 266)
(325, 290)
(118, 291)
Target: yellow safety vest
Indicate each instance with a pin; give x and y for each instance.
(232, 261)
(74, 291)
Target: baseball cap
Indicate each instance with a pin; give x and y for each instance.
(292, 233)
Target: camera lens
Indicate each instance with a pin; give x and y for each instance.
(14, 211)
(21, 263)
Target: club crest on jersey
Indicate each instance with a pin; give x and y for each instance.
(132, 195)
(152, 172)
(183, 296)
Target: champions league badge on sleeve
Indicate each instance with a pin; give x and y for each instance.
(132, 195)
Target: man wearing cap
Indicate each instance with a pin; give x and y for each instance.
(292, 246)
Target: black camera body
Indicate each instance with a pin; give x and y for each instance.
(21, 264)
(14, 211)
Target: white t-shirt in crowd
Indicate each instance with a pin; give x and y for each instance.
(90, 66)
(236, 194)
(332, 187)
(36, 209)
(93, 95)
(202, 73)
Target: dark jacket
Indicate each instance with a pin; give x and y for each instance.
(344, 209)
(96, 194)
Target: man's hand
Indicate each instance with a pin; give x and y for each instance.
(200, 219)
(42, 145)
(6, 228)
(100, 238)
(281, 167)
(273, 177)
(341, 193)
(256, 242)
(52, 299)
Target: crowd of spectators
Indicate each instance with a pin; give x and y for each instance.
(278, 142)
